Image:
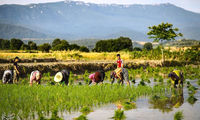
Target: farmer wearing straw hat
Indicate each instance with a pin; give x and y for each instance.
(62, 76)
(97, 77)
(16, 72)
(35, 77)
(7, 77)
(176, 78)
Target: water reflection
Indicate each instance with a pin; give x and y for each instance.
(167, 103)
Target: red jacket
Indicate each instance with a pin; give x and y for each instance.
(119, 63)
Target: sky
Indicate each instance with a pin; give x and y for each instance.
(191, 5)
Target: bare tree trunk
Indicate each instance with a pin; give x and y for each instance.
(163, 57)
(162, 50)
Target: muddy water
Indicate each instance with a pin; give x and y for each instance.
(146, 111)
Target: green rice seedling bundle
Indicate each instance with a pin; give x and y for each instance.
(119, 115)
(85, 110)
(191, 99)
(178, 115)
(127, 105)
(81, 117)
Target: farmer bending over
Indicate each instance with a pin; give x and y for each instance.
(35, 77)
(7, 77)
(176, 78)
(97, 77)
(62, 77)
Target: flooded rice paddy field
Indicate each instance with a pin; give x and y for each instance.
(150, 92)
(146, 110)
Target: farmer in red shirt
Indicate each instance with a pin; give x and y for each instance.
(120, 72)
(119, 62)
(119, 66)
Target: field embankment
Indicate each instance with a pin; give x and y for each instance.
(81, 67)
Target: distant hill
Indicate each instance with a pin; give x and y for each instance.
(13, 31)
(72, 20)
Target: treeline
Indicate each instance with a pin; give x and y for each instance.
(57, 45)
(121, 43)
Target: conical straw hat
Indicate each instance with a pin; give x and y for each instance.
(58, 77)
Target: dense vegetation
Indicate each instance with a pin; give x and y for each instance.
(114, 45)
(57, 45)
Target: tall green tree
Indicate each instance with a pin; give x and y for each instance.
(114, 45)
(74, 47)
(24, 47)
(84, 49)
(15, 44)
(4, 44)
(148, 46)
(57, 41)
(32, 45)
(163, 32)
(44, 47)
(61, 45)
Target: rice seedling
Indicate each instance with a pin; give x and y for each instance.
(119, 115)
(191, 99)
(142, 83)
(129, 105)
(86, 77)
(192, 89)
(188, 84)
(85, 110)
(198, 82)
(71, 78)
(160, 79)
(169, 81)
(81, 117)
(178, 115)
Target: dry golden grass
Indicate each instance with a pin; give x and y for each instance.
(67, 55)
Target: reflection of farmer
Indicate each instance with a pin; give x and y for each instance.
(97, 77)
(120, 65)
(176, 78)
(16, 72)
(62, 76)
(35, 77)
(166, 104)
(7, 77)
(178, 99)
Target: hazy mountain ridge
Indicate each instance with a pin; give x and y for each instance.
(8, 31)
(79, 20)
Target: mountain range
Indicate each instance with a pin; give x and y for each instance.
(72, 20)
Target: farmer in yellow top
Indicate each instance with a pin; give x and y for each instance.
(176, 78)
